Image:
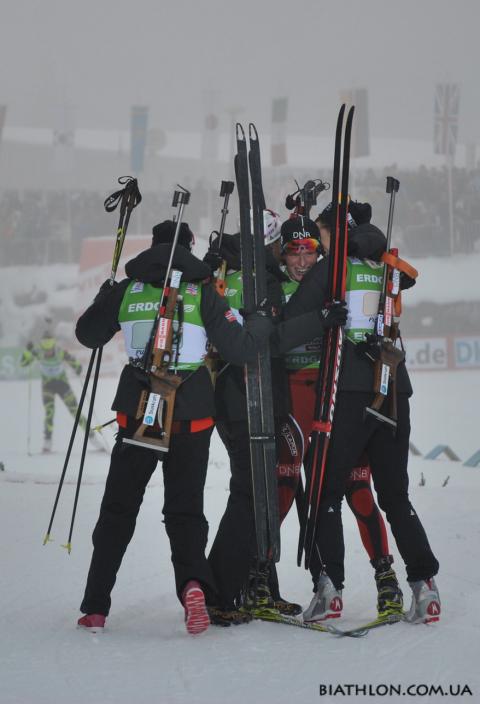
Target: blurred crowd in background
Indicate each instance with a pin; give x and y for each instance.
(45, 227)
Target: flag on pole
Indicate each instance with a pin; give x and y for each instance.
(138, 136)
(360, 134)
(279, 131)
(446, 108)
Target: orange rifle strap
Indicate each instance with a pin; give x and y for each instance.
(400, 264)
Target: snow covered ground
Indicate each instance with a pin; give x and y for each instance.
(146, 656)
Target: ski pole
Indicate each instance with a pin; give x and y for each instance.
(70, 445)
(128, 197)
(68, 545)
(29, 412)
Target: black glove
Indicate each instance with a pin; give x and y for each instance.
(264, 309)
(371, 348)
(30, 346)
(334, 314)
(406, 281)
(104, 291)
(259, 324)
(213, 260)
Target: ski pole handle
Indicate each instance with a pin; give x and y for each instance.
(128, 197)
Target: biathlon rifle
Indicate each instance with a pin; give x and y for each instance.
(156, 404)
(383, 344)
(303, 199)
(226, 190)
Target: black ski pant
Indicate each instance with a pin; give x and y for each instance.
(234, 548)
(388, 455)
(184, 473)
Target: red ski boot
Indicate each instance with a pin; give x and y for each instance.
(196, 614)
(95, 623)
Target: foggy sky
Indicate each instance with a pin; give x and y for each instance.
(104, 55)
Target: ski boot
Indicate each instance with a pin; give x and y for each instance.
(287, 608)
(425, 607)
(257, 596)
(228, 616)
(326, 602)
(196, 614)
(95, 623)
(390, 596)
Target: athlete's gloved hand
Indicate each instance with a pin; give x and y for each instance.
(406, 281)
(264, 308)
(259, 324)
(104, 291)
(213, 260)
(334, 314)
(78, 370)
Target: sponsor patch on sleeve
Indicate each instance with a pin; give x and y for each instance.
(137, 287)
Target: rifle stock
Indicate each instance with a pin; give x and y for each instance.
(384, 381)
(155, 407)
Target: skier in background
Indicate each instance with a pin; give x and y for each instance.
(52, 360)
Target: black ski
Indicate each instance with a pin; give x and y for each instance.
(331, 356)
(258, 373)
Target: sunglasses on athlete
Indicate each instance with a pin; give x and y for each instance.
(309, 246)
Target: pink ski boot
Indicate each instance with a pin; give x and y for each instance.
(196, 614)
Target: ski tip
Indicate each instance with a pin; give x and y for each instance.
(252, 132)
(240, 131)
